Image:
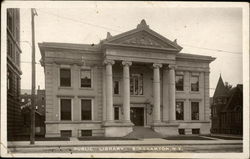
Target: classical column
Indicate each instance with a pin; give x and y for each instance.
(104, 116)
(157, 102)
(109, 90)
(126, 91)
(172, 91)
(165, 94)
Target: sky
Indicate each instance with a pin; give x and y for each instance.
(206, 31)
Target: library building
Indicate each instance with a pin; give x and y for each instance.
(134, 79)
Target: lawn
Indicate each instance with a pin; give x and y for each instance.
(104, 138)
(39, 138)
(224, 137)
(186, 137)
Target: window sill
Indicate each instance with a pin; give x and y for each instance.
(60, 87)
(86, 88)
(11, 94)
(195, 92)
(137, 95)
(180, 91)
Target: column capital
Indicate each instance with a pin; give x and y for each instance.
(126, 63)
(171, 66)
(108, 62)
(157, 65)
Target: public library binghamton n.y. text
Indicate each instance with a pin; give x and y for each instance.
(136, 78)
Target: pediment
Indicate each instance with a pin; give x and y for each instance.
(144, 37)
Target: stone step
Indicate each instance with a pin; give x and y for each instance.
(142, 132)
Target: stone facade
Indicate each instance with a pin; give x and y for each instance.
(133, 83)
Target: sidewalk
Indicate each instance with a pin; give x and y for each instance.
(146, 142)
(227, 135)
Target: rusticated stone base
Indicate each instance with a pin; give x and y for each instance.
(165, 129)
(115, 129)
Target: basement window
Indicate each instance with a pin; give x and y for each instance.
(86, 132)
(181, 131)
(195, 131)
(66, 133)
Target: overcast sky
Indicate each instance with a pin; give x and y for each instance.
(202, 31)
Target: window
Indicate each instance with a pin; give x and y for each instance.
(65, 77)
(195, 131)
(194, 83)
(86, 78)
(116, 113)
(86, 132)
(181, 131)
(9, 48)
(9, 81)
(18, 59)
(179, 82)
(9, 20)
(65, 109)
(17, 86)
(86, 105)
(116, 87)
(66, 133)
(195, 110)
(17, 35)
(179, 111)
(136, 84)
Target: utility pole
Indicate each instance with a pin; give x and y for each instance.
(33, 84)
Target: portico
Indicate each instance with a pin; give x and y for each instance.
(111, 127)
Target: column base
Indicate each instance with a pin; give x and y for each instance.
(165, 129)
(117, 129)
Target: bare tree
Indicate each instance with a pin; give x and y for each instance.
(228, 86)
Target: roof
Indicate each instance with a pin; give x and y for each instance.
(240, 86)
(151, 40)
(142, 27)
(232, 96)
(220, 89)
(25, 91)
(194, 57)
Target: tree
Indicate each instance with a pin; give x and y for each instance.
(228, 86)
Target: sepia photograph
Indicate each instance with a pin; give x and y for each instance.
(124, 79)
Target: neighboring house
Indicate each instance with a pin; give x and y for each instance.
(39, 99)
(39, 121)
(137, 78)
(226, 109)
(39, 110)
(14, 119)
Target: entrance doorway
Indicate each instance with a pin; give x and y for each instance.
(137, 116)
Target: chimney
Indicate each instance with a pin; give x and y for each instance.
(108, 35)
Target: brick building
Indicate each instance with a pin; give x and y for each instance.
(137, 78)
(13, 72)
